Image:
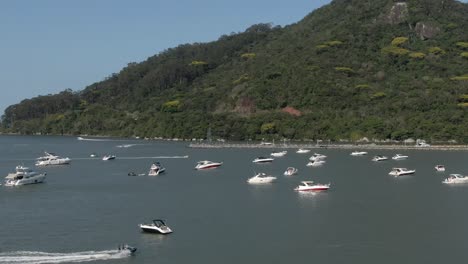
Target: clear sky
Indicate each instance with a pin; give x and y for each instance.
(47, 46)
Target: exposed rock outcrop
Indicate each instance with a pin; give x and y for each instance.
(398, 13)
(426, 31)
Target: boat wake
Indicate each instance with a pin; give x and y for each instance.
(36, 257)
(157, 157)
(98, 139)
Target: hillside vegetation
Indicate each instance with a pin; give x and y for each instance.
(381, 69)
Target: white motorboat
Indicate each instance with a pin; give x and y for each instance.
(317, 156)
(303, 151)
(311, 186)
(379, 158)
(279, 154)
(206, 164)
(155, 169)
(290, 171)
(157, 226)
(51, 159)
(399, 157)
(315, 163)
(23, 176)
(456, 178)
(401, 171)
(261, 178)
(108, 157)
(358, 153)
(440, 168)
(93, 155)
(262, 160)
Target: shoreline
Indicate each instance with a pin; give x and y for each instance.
(331, 146)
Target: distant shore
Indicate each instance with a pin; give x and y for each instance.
(330, 146)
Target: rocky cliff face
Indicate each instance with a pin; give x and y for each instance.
(426, 31)
(398, 13)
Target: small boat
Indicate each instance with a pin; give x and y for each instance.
(128, 249)
(440, 168)
(358, 153)
(399, 157)
(155, 169)
(315, 163)
(290, 171)
(206, 164)
(52, 159)
(317, 156)
(157, 226)
(261, 178)
(456, 178)
(93, 155)
(279, 154)
(303, 151)
(24, 175)
(311, 186)
(379, 158)
(262, 160)
(108, 157)
(401, 171)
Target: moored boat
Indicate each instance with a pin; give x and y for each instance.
(290, 171)
(311, 186)
(52, 159)
(456, 178)
(379, 158)
(206, 164)
(399, 157)
(262, 160)
(279, 154)
(157, 226)
(303, 151)
(156, 169)
(358, 153)
(440, 168)
(401, 172)
(261, 178)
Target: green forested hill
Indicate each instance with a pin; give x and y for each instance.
(382, 69)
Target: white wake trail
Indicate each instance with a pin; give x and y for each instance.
(37, 257)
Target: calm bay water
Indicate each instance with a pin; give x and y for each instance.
(88, 208)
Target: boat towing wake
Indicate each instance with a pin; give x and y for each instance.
(36, 257)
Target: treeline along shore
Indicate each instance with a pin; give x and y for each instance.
(329, 146)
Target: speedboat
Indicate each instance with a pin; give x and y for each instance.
(358, 153)
(379, 158)
(155, 169)
(51, 159)
(303, 151)
(206, 164)
(311, 186)
(128, 249)
(315, 163)
(456, 178)
(108, 157)
(157, 226)
(290, 171)
(261, 178)
(279, 154)
(399, 157)
(440, 168)
(317, 156)
(401, 171)
(262, 160)
(24, 175)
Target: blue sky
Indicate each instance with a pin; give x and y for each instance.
(50, 45)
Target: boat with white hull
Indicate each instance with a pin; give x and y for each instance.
(401, 172)
(108, 157)
(23, 176)
(279, 154)
(290, 171)
(302, 151)
(440, 168)
(52, 159)
(157, 226)
(317, 156)
(262, 160)
(358, 153)
(261, 178)
(156, 169)
(456, 178)
(311, 186)
(379, 158)
(206, 164)
(315, 163)
(399, 157)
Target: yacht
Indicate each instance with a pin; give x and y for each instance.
(379, 158)
(456, 178)
(262, 160)
(315, 163)
(399, 157)
(311, 186)
(317, 156)
(261, 178)
(51, 159)
(440, 168)
(401, 171)
(290, 171)
(206, 164)
(279, 154)
(156, 169)
(303, 151)
(157, 226)
(24, 175)
(358, 153)
(108, 157)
